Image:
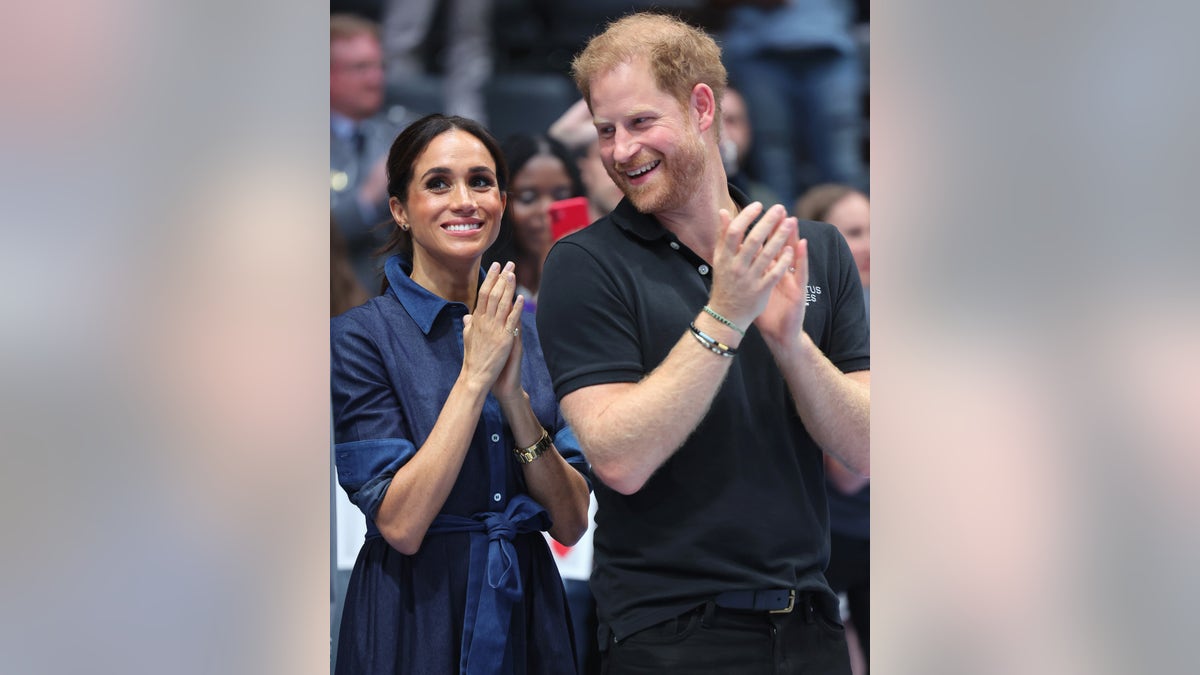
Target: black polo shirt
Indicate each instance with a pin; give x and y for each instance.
(741, 505)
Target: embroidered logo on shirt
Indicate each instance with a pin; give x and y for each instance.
(810, 295)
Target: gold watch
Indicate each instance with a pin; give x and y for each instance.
(527, 455)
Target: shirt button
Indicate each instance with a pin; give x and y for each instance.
(675, 245)
(495, 438)
(703, 269)
(496, 497)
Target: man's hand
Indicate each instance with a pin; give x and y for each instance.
(783, 319)
(747, 266)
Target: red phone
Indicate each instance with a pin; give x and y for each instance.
(567, 216)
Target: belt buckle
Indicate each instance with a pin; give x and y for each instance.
(790, 606)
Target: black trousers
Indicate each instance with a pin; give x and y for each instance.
(849, 572)
(711, 639)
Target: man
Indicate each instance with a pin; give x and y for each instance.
(359, 139)
(712, 531)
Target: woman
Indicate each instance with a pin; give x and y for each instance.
(849, 568)
(448, 436)
(543, 172)
(849, 211)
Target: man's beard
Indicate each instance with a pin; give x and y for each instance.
(681, 171)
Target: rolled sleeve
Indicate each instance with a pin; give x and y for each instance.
(365, 469)
(370, 440)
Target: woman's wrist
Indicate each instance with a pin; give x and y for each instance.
(526, 429)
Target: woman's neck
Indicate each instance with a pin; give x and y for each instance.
(458, 284)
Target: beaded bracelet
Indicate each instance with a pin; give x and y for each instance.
(713, 313)
(711, 344)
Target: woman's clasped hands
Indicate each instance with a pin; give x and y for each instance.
(491, 335)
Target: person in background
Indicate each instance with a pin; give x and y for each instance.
(359, 138)
(849, 570)
(448, 437)
(543, 172)
(849, 211)
(737, 137)
(574, 129)
(708, 353)
(800, 67)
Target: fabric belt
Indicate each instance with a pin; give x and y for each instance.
(774, 600)
(493, 580)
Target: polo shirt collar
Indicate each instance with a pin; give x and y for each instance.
(647, 227)
(421, 304)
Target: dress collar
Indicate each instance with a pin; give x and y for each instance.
(421, 304)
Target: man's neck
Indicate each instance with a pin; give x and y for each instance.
(697, 223)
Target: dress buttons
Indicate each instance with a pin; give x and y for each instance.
(496, 497)
(703, 269)
(675, 245)
(495, 438)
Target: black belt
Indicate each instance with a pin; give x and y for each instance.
(773, 600)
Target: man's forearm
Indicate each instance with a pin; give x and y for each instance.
(834, 406)
(628, 430)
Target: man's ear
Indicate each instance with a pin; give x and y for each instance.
(702, 104)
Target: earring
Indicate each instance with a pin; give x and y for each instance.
(404, 226)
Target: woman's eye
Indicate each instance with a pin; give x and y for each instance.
(436, 184)
(481, 182)
(561, 194)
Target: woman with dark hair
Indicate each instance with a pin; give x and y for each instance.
(448, 436)
(543, 172)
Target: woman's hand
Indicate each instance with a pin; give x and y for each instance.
(508, 385)
(489, 332)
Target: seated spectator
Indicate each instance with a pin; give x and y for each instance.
(849, 211)
(359, 138)
(849, 570)
(575, 130)
(737, 138)
(543, 172)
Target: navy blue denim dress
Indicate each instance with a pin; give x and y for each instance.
(482, 595)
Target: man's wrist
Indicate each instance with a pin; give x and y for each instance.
(719, 331)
